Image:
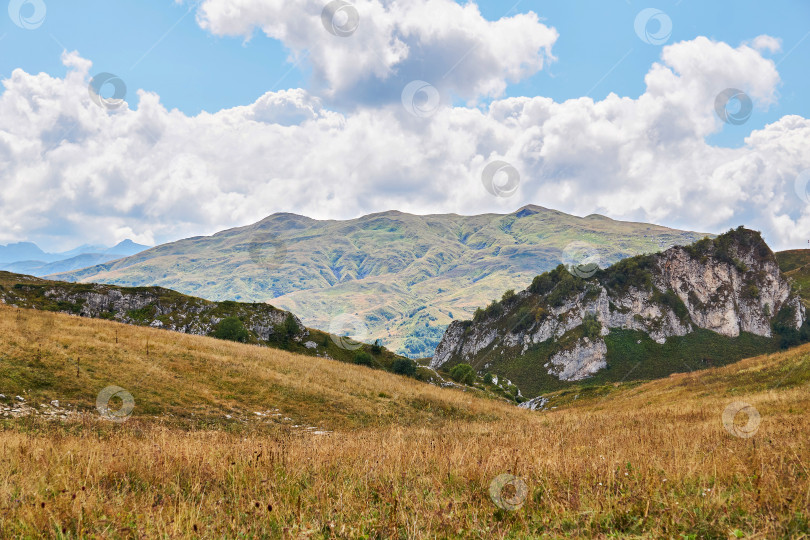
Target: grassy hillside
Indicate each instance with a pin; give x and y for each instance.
(771, 375)
(172, 311)
(796, 265)
(631, 357)
(405, 276)
(792, 259)
(801, 280)
(198, 380)
(391, 457)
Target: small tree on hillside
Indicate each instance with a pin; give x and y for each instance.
(591, 326)
(404, 366)
(232, 329)
(290, 326)
(463, 373)
(363, 358)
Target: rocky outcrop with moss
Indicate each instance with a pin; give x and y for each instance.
(729, 285)
(150, 306)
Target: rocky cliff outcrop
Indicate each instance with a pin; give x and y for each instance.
(151, 306)
(729, 285)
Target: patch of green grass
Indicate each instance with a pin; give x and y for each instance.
(793, 259)
(142, 314)
(629, 360)
(632, 356)
(796, 265)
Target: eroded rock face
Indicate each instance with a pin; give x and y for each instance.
(452, 344)
(586, 358)
(720, 297)
(148, 307)
(729, 285)
(534, 404)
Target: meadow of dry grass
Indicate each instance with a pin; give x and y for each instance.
(401, 459)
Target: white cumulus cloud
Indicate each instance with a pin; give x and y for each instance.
(767, 43)
(69, 168)
(451, 46)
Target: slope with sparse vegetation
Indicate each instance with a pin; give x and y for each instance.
(795, 264)
(155, 307)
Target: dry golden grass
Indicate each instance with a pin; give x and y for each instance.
(650, 461)
(202, 379)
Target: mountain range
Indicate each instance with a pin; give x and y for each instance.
(28, 258)
(689, 307)
(397, 277)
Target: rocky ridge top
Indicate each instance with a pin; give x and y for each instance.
(728, 285)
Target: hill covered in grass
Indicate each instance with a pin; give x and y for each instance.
(405, 277)
(795, 264)
(199, 380)
(156, 307)
(360, 453)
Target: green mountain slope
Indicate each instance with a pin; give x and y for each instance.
(404, 277)
(795, 263)
(793, 259)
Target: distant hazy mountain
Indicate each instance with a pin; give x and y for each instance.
(123, 249)
(28, 258)
(22, 251)
(405, 277)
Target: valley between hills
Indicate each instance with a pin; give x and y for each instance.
(226, 439)
(404, 277)
(725, 298)
(661, 396)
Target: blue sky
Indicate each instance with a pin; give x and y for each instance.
(327, 137)
(157, 45)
